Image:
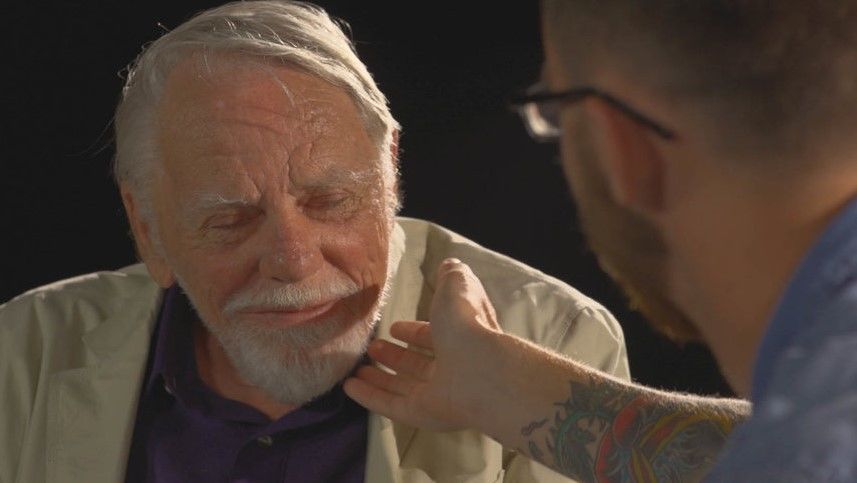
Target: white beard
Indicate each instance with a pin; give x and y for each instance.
(294, 365)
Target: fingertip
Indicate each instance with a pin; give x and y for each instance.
(406, 327)
(351, 387)
(383, 352)
(448, 265)
(413, 333)
(359, 373)
(357, 389)
(400, 327)
(375, 346)
(370, 397)
(404, 323)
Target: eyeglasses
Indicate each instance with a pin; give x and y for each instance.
(540, 109)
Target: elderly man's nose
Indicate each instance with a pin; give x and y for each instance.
(292, 256)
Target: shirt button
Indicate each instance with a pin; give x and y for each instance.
(265, 441)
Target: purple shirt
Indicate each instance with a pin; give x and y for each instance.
(186, 433)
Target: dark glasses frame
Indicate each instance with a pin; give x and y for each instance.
(538, 99)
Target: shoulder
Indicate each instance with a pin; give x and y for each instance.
(530, 303)
(804, 427)
(496, 271)
(43, 334)
(786, 443)
(74, 305)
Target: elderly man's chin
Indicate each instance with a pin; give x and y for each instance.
(296, 363)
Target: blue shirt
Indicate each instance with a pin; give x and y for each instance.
(187, 433)
(804, 423)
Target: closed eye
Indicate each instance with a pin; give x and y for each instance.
(327, 201)
(331, 206)
(230, 221)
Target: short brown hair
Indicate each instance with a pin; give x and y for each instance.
(778, 74)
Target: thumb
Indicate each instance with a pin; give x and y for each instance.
(449, 293)
(451, 283)
(447, 267)
(460, 297)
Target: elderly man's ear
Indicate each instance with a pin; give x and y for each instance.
(631, 160)
(394, 158)
(394, 148)
(151, 256)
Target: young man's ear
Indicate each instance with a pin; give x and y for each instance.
(630, 160)
(151, 256)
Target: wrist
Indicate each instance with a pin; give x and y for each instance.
(483, 380)
(522, 382)
(491, 393)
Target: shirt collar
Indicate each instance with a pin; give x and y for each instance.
(165, 337)
(831, 261)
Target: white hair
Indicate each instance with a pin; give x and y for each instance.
(281, 31)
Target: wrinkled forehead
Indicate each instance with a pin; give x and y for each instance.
(204, 88)
(225, 106)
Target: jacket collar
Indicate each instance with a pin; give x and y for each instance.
(389, 441)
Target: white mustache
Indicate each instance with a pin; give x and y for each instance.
(291, 297)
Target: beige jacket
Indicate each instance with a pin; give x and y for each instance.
(73, 356)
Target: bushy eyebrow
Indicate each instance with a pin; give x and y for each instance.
(343, 178)
(209, 202)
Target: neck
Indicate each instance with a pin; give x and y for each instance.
(736, 276)
(217, 372)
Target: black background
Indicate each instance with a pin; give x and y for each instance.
(467, 162)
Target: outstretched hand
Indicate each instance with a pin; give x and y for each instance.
(436, 380)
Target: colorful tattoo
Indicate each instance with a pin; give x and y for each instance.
(536, 452)
(603, 433)
(528, 430)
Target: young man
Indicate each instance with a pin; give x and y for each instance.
(711, 148)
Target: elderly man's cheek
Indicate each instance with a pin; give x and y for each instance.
(223, 273)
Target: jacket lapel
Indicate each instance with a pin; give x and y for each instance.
(389, 441)
(91, 410)
(382, 452)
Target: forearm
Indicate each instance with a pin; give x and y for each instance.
(593, 427)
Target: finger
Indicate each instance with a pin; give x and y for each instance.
(375, 399)
(455, 277)
(490, 315)
(393, 383)
(458, 288)
(403, 361)
(416, 333)
(446, 267)
(449, 263)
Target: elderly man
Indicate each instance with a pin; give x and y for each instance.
(711, 151)
(257, 163)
